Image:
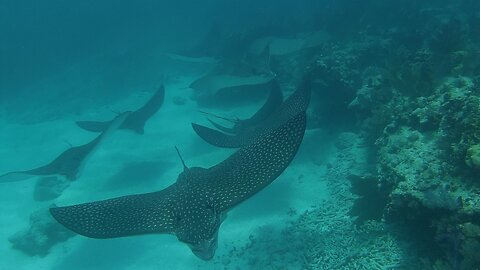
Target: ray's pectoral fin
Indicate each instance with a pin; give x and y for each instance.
(131, 123)
(118, 217)
(93, 126)
(135, 120)
(69, 163)
(222, 128)
(217, 138)
(15, 176)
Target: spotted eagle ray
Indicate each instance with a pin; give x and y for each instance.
(294, 104)
(194, 207)
(136, 120)
(69, 163)
(274, 100)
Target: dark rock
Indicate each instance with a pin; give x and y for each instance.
(372, 201)
(43, 234)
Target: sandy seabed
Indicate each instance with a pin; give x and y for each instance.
(128, 163)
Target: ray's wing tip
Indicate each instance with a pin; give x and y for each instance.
(62, 215)
(56, 213)
(4, 178)
(220, 127)
(200, 128)
(53, 212)
(81, 124)
(11, 177)
(161, 91)
(92, 126)
(159, 96)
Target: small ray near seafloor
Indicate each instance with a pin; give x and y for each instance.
(69, 163)
(135, 121)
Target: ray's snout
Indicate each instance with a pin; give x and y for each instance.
(205, 250)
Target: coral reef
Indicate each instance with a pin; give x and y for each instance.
(429, 160)
(411, 89)
(472, 158)
(416, 103)
(327, 236)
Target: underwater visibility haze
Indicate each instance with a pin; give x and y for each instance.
(311, 134)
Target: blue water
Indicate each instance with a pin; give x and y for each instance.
(386, 176)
